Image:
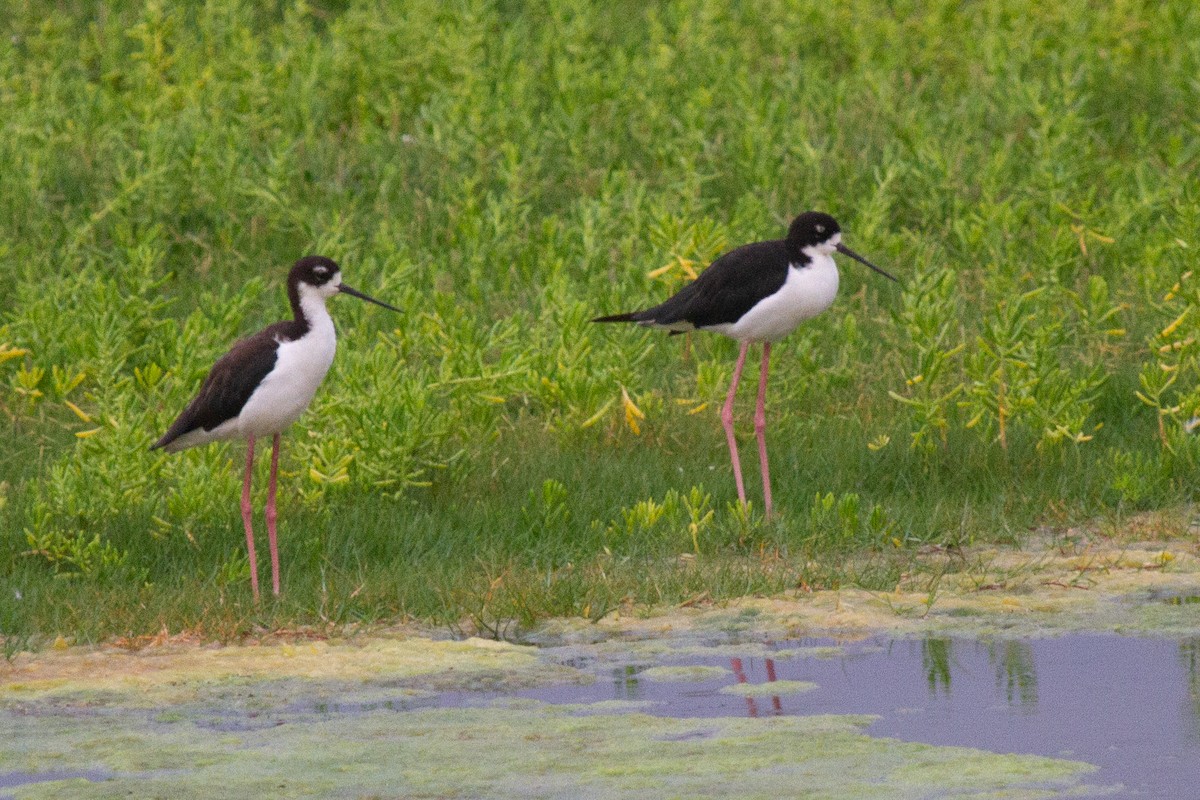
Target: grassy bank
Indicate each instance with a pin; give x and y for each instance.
(506, 174)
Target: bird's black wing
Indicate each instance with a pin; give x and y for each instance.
(230, 383)
(723, 293)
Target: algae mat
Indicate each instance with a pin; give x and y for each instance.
(531, 751)
(246, 724)
(349, 719)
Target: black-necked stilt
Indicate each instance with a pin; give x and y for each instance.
(758, 292)
(264, 383)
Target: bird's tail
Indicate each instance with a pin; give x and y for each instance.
(630, 316)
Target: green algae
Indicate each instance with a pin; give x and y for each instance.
(609, 706)
(689, 673)
(672, 645)
(354, 719)
(826, 652)
(179, 674)
(532, 751)
(769, 689)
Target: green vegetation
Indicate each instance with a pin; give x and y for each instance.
(504, 174)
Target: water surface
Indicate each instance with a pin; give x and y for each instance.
(1130, 705)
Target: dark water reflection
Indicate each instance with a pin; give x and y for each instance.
(1129, 705)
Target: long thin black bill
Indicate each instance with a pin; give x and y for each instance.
(356, 293)
(841, 248)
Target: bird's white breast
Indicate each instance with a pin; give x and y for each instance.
(806, 292)
(300, 366)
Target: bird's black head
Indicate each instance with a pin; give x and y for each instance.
(813, 229)
(315, 271)
(814, 233)
(321, 277)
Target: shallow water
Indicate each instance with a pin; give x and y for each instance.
(1129, 705)
(10, 780)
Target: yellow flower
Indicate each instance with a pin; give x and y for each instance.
(632, 412)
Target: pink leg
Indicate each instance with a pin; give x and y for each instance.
(776, 701)
(760, 426)
(727, 421)
(248, 515)
(272, 514)
(740, 673)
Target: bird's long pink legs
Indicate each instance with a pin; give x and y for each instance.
(727, 422)
(248, 515)
(760, 427)
(272, 514)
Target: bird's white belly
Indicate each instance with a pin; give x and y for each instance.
(805, 293)
(281, 398)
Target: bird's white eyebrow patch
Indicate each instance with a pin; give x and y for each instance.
(320, 270)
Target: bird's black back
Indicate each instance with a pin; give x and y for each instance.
(232, 380)
(727, 289)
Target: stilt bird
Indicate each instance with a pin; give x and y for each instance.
(264, 383)
(758, 292)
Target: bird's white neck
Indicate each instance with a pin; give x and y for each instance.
(312, 308)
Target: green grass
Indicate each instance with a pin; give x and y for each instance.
(504, 174)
